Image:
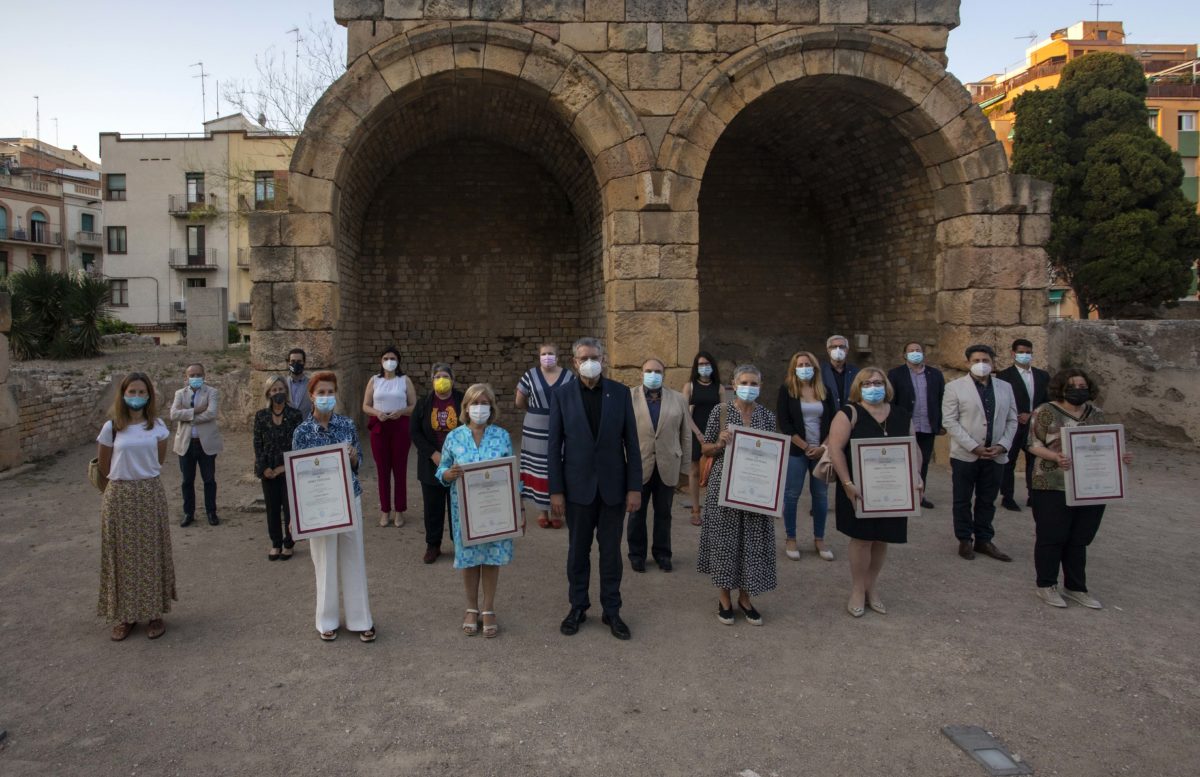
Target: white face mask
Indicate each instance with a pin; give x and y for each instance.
(390, 365)
(838, 354)
(981, 369)
(590, 368)
(480, 413)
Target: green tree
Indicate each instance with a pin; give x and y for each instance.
(56, 315)
(1124, 236)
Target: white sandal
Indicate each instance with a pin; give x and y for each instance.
(493, 629)
(471, 629)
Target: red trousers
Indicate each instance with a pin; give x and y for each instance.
(390, 441)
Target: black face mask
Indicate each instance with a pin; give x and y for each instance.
(1077, 396)
(296, 367)
(278, 399)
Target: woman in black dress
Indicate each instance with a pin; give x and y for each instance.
(703, 392)
(870, 414)
(273, 429)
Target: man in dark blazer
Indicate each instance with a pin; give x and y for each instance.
(919, 389)
(1029, 388)
(595, 479)
(836, 373)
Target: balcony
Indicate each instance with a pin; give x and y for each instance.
(1158, 89)
(89, 239)
(27, 184)
(243, 312)
(205, 262)
(84, 190)
(243, 258)
(183, 206)
(38, 236)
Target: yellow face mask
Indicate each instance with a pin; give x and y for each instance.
(442, 385)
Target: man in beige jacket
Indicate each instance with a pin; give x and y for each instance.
(197, 442)
(664, 437)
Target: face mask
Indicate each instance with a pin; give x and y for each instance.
(549, 360)
(873, 395)
(136, 403)
(590, 368)
(747, 393)
(914, 357)
(390, 365)
(278, 399)
(981, 369)
(838, 354)
(1024, 359)
(195, 383)
(442, 385)
(1077, 396)
(652, 380)
(480, 413)
(805, 373)
(704, 370)
(296, 367)
(325, 404)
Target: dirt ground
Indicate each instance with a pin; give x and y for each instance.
(241, 685)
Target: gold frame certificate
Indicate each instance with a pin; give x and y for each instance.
(1097, 473)
(886, 472)
(320, 491)
(755, 471)
(489, 505)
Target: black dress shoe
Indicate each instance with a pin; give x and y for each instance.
(213, 520)
(637, 564)
(616, 626)
(966, 549)
(187, 521)
(665, 564)
(926, 504)
(1008, 503)
(571, 623)
(989, 549)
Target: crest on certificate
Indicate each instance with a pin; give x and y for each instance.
(758, 443)
(487, 476)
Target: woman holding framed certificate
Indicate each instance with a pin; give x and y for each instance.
(1064, 531)
(869, 415)
(479, 441)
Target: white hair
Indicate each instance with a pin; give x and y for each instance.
(829, 341)
(587, 342)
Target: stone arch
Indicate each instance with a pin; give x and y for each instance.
(972, 259)
(449, 88)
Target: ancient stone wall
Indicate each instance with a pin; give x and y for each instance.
(10, 417)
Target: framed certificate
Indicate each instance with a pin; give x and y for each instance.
(886, 472)
(1097, 473)
(320, 490)
(489, 506)
(755, 471)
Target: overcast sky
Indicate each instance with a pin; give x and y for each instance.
(125, 66)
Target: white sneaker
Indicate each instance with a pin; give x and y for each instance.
(1051, 596)
(792, 553)
(1084, 598)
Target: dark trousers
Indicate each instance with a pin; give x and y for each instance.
(604, 522)
(662, 495)
(1010, 469)
(925, 445)
(1063, 534)
(278, 526)
(390, 441)
(208, 473)
(437, 502)
(979, 479)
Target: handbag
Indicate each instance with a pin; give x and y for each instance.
(706, 460)
(93, 473)
(824, 469)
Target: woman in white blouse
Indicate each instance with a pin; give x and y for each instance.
(388, 404)
(137, 574)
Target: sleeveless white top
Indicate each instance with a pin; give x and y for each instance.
(389, 394)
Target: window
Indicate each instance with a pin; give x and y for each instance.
(120, 292)
(3, 262)
(1153, 120)
(197, 283)
(264, 190)
(115, 187)
(3, 223)
(37, 228)
(39, 261)
(87, 222)
(1101, 34)
(89, 261)
(1187, 121)
(195, 188)
(116, 240)
(195, 245)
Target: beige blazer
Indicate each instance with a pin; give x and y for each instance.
(667, 446)
(963, 419)
(203, 418)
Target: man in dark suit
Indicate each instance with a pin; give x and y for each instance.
(595, 479)
(919, 389)
(1029, 388)
(837, 374)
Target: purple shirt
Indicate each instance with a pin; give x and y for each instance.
(920, 416)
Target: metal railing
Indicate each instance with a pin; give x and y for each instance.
(185, 205)
(243, 258)
(243, 311)
(89, 238)
(1184, 91)
(180, 259)
(40, 237)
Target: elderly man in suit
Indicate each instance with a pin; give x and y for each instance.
(595, 469)
(664, 436)
(838, 374)
(197, 442)
(919, 389)
(1029, 388)
(980, 415)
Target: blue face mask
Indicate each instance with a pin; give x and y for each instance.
(652, 380)
(915, 357)
(136, 403)
(873, 395)
(1024, 359)
(195, 383)
(325, 404)
(805, 373)
(747, 393)
(704, 370)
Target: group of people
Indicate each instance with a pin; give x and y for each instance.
(595, 452)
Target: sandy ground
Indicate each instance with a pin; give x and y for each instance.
(241, 685)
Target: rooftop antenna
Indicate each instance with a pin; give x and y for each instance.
(37, 103)
(1031, 37)
(1098, 5)
(203, 95)
(296, 66)
(218, 98)
(55, 120)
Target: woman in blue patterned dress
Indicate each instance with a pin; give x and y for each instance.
(480, 440)
(533, 396)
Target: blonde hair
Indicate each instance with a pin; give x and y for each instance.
(484, 391)
(856, 386)
(794, 384)
(270, 382)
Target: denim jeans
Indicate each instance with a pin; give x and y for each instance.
(798, 467)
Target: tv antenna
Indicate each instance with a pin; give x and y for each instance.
(296, 65)
(1098, 5)
(1031, 37)
(203, 94)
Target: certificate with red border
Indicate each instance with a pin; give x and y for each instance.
(1097, 473)
(320, 490)
(886, 473)
(755, 471)
(489, 505)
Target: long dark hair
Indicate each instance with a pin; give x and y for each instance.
(393, 350)
(716, 376)
(121, 415)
